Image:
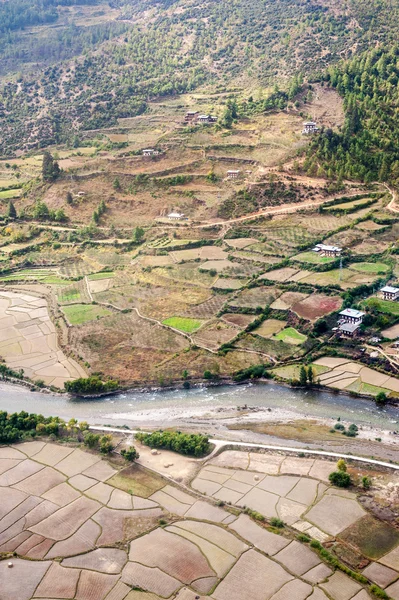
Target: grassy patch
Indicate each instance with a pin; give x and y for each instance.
(313, 258)
(291, 336)
(292, 371)
(385, 306)
(374, 538)
(102, 275)
(82, 313)
(365, 267)
(69, 295)
(302, 430)
(183, 324)
(6, 194)
(138, 481)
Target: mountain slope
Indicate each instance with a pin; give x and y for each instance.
(170, 47)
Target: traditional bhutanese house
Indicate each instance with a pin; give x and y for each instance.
(150, 152)
(326, 250)
(233, 173)
(351, 315)
(349, 329)
(390, 293)
(206, 119)
(309, 127)
(191, 115)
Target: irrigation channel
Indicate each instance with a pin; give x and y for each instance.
(201, 405)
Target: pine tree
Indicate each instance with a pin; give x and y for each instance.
(303, 376)
(310, 375)
(50, 167)
(11, 212)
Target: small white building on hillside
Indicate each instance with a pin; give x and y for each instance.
(327, 250)
(233, 173)
(150, 152)
(390, 293)
(309, 128)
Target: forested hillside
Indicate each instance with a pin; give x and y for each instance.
(130, 51)
(368, 146)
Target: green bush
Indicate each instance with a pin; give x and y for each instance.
(378, 592)
(106, 444)
(340, 479)
(274, 522)
(130, 453)
(91, 440)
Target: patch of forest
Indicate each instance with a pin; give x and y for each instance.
(367, 147)
(183, 46)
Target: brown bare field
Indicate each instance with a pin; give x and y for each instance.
(280, 274)
(316, 306)
(215, 334)
(238, 319)
(287, 300)
(269, 327)
(254, 297)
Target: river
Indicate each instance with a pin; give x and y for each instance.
(178, 406)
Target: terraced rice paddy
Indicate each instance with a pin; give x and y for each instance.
(28, 340)
(344, 374)
(75, 535)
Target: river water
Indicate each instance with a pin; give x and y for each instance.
(165, 408)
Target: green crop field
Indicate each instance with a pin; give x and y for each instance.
(313, 257)
(365, 267)
(6, 194)
(102, 275)
(385, 306)
(291, 336)
(183, 324)
(77, 314)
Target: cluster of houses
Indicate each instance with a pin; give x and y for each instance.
(350, 319)
(326, 250)
(193, 116)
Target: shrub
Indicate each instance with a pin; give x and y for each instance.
(130, 453)
(274, 522)
(91, 440)
(339, 427)
(340, 479)
(302, 537)
(106, 445)
(378, 592)
(381, 398)
(341, 465)
(366, 482)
